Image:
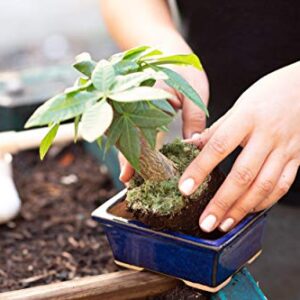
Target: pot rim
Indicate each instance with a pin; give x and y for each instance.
(102, 214)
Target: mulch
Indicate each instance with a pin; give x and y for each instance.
(54, 238)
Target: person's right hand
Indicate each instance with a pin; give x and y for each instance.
(193, 118)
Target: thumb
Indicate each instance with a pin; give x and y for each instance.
(126, 169)
(194, 119)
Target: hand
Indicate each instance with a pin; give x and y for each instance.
(265, 121)
(193, 117)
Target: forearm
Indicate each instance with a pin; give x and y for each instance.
(138, 22)
(148, 22)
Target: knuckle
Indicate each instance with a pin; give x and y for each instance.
(242, 209)
(221, 204)
(195, 118)
(198, 167)
(206, 132)
(242, 175)
(218, 145)
(265, 187)
(283, 187)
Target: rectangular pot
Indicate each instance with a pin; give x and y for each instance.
(201, 263)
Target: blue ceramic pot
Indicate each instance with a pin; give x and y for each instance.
(201, 263)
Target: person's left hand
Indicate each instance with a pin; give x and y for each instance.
(265, 121)
(193, 118)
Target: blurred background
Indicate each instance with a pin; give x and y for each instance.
(38, 42)
(36, 33)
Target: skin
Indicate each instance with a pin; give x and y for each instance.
(264, 121)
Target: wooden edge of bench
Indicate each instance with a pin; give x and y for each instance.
(112, 286)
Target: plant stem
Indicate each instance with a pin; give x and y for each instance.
(154, 165)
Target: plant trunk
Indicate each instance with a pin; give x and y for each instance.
(154, 165)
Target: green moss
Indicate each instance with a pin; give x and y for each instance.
(164, 197)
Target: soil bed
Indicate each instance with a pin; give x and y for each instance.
(54, 238)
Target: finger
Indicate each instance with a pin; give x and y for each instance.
(261, 188)
(283, 185)
(194, 119)
(200, 139)
(126, 170)
(226, 138)
(241, 176)
(175, 102)
(208, 132)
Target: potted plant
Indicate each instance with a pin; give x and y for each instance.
(150, 225)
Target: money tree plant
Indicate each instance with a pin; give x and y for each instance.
(116, 98)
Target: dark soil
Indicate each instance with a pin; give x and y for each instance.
(187, 219)
(161, 206)
(54, 238)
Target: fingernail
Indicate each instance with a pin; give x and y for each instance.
(208, 223)
(121, 173)
(196, 136)
(187, 186)
(193, 137)
(226, 225)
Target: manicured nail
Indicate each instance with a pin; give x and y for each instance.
(208, 223)
(196, 136)
(187, 186)
(193, 137)
(226, 225)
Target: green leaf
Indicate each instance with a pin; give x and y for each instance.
(84, 64)
(151, 118)
(126, 66)
(129, 144)
(133, 52)
(76, 126)
(81, 81)
(140, 52)
(129, 107)
(48, 140)
(177, 82)
(99, 142)
(150, 136)
(118, 107)
(155, 74)
(95, 120)
(184, 59)
(77, 88)
(117, 57)
(149, 82)
(163, 128)
(164, 105)
(114, 132)
(150, 52)
(103, 76)
(140, 94)
(61, 107)
(125, 82)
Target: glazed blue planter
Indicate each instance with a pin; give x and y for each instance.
(201, 263)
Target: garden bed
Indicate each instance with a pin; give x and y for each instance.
(54, 239)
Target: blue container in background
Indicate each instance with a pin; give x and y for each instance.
(200, 263)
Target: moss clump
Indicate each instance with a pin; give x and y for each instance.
(164, 198)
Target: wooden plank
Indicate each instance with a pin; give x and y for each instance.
(113, 286)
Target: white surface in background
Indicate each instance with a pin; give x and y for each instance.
(10, 202)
